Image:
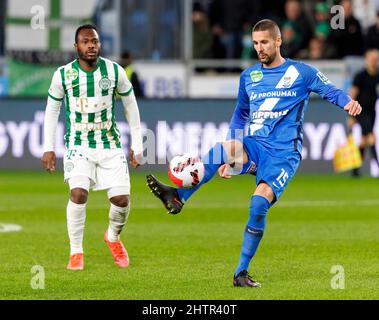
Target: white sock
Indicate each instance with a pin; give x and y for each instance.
(117, 219)
(76, 217)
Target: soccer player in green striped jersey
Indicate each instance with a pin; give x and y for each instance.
(94, 157)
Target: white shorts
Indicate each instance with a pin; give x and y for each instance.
(106, 168)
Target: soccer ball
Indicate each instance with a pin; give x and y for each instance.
(186, 170)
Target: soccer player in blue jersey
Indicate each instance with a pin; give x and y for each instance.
(272, 98)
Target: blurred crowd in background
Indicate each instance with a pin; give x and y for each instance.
(159, 33)
(222, 28)
(155, 30)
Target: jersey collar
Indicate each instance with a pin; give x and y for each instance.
(88, 72)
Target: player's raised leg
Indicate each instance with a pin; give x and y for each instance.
(118, 216)
(221, 153)
(76, 215)
(259, 204)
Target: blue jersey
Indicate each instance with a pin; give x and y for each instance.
(273, 102)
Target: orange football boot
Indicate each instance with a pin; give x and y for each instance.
(76, 262)
(118, 251)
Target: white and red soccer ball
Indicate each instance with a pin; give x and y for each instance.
(186, 170)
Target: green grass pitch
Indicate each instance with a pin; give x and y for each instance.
(320, 222)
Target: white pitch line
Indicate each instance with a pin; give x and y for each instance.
(217, 205)
(329, 203)
(7, 227)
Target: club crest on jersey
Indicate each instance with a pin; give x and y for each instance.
(256, 76)
(105, 83)
(71, 74)
(286, 82)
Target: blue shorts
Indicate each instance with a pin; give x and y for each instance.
(276, 167)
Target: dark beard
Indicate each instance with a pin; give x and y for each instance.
(269, 60)
(90, 61)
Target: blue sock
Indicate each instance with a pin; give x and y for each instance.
(253, 232)
(212, 161)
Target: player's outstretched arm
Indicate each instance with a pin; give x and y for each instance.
(49, 130)
(53, 106)
(241, 112)
(317, 82)
(353, 108)
(131, 110)
(132, 115)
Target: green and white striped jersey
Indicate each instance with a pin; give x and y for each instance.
(90, 102)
